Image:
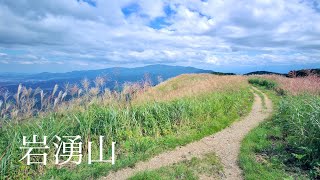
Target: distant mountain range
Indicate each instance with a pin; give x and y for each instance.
(114, 75)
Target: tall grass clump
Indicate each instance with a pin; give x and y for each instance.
(297, 85)
(27, 102)
(299, 120)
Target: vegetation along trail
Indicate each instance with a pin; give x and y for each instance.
(226, 145)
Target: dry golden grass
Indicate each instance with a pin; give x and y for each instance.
(27, 103)
(187, 85)
(298, 85)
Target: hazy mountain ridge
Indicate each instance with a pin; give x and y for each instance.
(116, 74)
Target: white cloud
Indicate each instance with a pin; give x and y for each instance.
(212, 60)
(187, 21)
(152, 8)
(214, 32)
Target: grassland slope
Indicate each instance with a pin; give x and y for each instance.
(153, 120)
(225, 144)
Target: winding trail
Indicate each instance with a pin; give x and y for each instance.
(226, 145)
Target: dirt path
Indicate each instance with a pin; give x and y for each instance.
(226, 145)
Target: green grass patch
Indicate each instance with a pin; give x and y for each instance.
(208, 166)
(263, 82)
(140, 131)
(254, 160)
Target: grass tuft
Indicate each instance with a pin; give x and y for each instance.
(208, 167)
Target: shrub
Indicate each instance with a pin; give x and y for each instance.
(269, 84)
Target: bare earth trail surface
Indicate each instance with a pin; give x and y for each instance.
(226, 145)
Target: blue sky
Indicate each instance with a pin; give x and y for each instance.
(222, 35)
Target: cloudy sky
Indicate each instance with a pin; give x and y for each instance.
(222, 35)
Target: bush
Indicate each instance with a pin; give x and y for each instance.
(263, 82)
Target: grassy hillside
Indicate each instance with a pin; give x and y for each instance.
(176, 112)
(286, 146)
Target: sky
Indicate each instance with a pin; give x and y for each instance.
(222, 35)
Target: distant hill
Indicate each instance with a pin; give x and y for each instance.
(263, 73)
(223, 74)
(114, 75)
